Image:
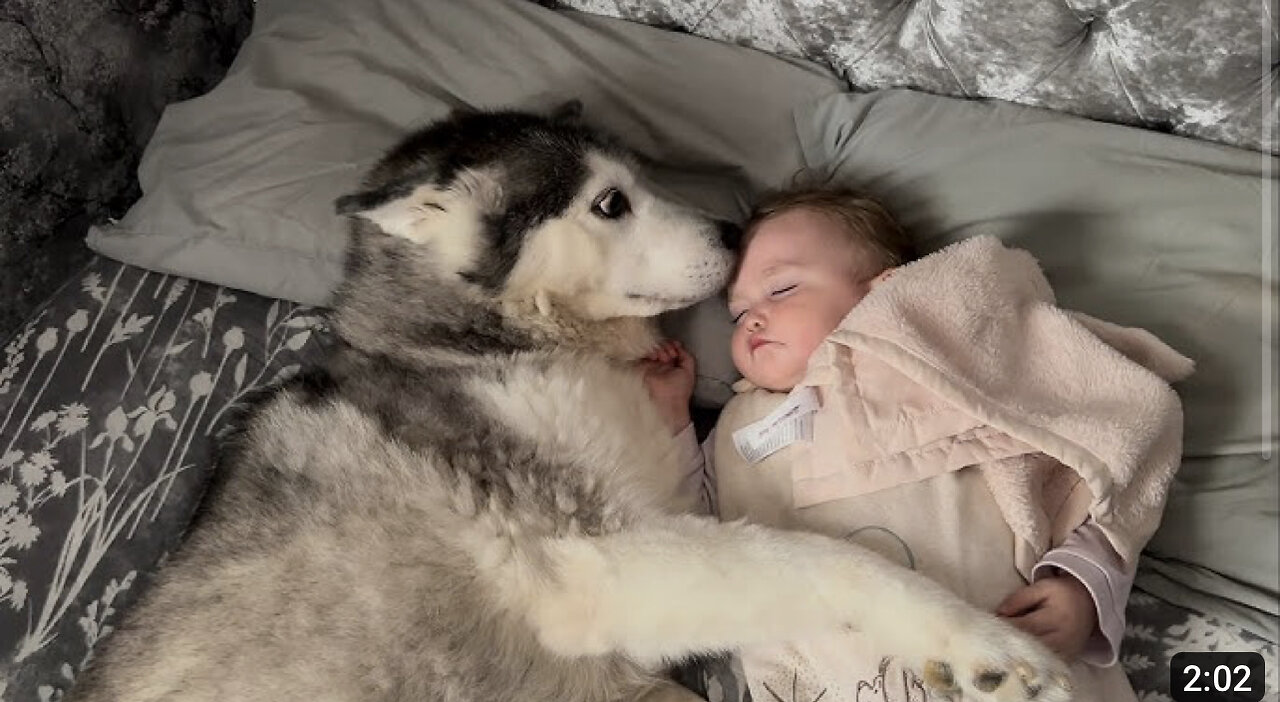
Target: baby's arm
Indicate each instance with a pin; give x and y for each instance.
(1084, 571)
(697, 462)
(669, 373)
(1087, 555)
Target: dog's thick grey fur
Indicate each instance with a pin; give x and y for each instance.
(472, 500)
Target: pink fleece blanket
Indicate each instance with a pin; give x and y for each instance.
(961, 359)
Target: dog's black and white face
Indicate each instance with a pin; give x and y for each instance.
(542, 209)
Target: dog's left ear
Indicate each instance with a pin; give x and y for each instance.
(461, 110)
(568, 111)
(358, 203)
(397, 208)
(407, 209)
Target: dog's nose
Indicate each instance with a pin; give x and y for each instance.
(730, 234)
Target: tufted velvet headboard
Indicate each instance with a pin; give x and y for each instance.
(1202, 69)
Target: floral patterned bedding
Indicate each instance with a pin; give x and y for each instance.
(111, 401)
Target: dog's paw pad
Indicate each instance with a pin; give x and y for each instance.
(989, 680)
(1021, 682)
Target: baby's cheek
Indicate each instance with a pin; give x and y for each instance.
(738, 349)
(807, 342)
(792, 369)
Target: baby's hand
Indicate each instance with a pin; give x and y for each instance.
(1058, 610)
(669, 373)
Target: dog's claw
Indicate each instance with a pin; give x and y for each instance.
(939, 675)
(941, 679)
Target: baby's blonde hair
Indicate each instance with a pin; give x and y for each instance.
(868, 224)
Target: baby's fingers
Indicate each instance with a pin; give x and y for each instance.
(1022, 600)
(1038, 623)
(660, 353)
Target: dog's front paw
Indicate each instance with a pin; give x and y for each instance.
(988, 660)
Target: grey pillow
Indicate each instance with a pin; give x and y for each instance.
(1139, 228)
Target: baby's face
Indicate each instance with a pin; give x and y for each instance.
(796, 282)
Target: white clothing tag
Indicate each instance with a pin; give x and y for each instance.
(789, 423)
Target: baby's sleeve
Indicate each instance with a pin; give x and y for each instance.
(1088, 557)
(697, 489)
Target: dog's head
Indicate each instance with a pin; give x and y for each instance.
(539, 209)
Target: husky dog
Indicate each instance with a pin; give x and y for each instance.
(473, 499)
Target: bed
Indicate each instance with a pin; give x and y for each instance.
(1130, 146)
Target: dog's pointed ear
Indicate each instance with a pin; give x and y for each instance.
(397, 208)
(569, 111)
(358, 203)
(407, 209)
(461, 110)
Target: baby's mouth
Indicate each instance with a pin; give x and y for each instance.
(756, 342)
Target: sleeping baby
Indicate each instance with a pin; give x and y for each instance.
(944, 413)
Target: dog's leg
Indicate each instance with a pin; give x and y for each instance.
(688, 585)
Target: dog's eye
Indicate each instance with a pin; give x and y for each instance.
(610, 204)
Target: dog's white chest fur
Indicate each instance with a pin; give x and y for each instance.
(597, 415)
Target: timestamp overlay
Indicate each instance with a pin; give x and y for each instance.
(1218, 676)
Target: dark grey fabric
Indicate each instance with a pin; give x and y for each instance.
(82, 84)
(1200, 69)
(110, 401)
